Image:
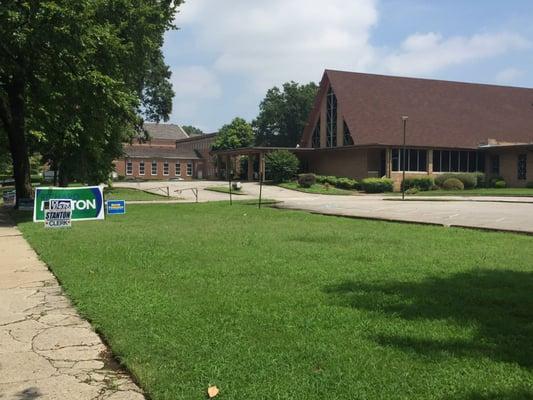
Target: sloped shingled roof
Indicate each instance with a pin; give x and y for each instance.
(165, 131)
(159, 152)
(441, 113)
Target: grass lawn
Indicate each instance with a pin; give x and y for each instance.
(225, 189)
(131, 195)
(317, 188)
(518, 192)
(274, 304)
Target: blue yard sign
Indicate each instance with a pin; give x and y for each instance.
(116, 207)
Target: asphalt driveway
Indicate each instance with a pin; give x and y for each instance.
(498, 213)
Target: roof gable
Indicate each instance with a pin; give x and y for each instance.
(165, 131)
(441, 113)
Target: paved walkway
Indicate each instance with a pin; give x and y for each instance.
(46, 350)
(513, 214)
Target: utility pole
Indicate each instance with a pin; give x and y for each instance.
(403, 157)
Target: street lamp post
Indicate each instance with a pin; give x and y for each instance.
(402, 158)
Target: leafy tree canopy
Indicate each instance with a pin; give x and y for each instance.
(283, 114)
(76, 79)
(281, 166)
(237, 134)
(192, 130)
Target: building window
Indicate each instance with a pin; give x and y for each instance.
(458, 161)
(141, 168)
(495, 164)
(154, 167)
(165, 168)
(189, 169)
(331, 114)
(522, 167)
(347, 138)
(129, 167)
(178, 169)
(415, 160)
(316, 136)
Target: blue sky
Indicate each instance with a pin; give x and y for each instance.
(226, 54)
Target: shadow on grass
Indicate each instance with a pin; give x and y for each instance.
(513, 395)
(497, 305)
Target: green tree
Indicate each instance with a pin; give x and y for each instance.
(76, 79)
(283, 114)
(281, 165)
(237, 134)
(192, 130)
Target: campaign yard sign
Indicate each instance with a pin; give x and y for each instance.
(87, 202)
(116, 207)
(59, 214)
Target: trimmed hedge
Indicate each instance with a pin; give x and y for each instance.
(482, 181)
(493, 180)
(453, 184)
(377, 185)
(469, 180)
(529, 185)
(306, 180)
(347, 183)
(501, 184)
(422, 183)
(341, 183)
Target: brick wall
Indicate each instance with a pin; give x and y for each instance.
(509, 167)
(120, 168)
(346, 163)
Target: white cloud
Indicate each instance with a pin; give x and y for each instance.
(426, 53)
(247, 46)
(271, 42)
(193, 85)
(509, 75)
(195, 82)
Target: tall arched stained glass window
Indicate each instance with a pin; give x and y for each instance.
(348, 140)
(316, 136)
(331, 114)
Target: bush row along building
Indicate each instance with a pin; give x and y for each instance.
(355, 130)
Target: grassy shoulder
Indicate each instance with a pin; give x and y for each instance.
(290, 305)
(225, 189)
(511, 192)
(317, 188)
(130, 194)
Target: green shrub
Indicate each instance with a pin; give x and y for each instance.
(494, 179)
(347, 183)
(469, 180)
(281, 165)
(434, 187)
(423, 183)
(529, 185)
(376, 185)
(342, 183)
(500, 184)
(306, 180)
(332, 180)
(412, 190)
(481, 178)
(320, 179)
(453, 184)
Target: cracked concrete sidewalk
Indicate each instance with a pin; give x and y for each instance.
(47, 351)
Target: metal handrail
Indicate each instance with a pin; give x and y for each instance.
(194, 190)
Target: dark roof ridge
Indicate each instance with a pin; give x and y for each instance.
(446, 81)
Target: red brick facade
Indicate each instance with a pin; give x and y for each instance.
(164, 168)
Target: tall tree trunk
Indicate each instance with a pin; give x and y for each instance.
(63, 177)
(16, 130)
